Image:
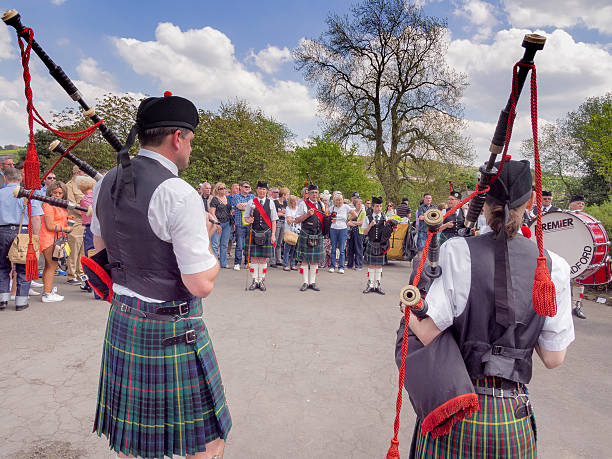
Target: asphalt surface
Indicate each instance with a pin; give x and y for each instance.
(307, 374)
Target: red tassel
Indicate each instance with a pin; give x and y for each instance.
(440, 420)
(31, 263)
(393, 452)
(544, 295)
(31, 168)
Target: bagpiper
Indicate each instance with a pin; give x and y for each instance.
(378, 231)
(309, 251)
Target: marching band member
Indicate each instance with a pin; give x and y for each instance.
(577, 203)
(484, 298)
(309, 250)
(378, 234)
(160, 391)
(261, 213)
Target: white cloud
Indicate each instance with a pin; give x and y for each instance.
(592, 14)
(58, 2)
(201, 64)
(271, 58)
(480, 16)
(7, 43)
(62, 41)
(89, 71)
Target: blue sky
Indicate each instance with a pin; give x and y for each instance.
(219, 51)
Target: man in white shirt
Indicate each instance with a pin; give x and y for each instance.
(309, 249)
(154, 231)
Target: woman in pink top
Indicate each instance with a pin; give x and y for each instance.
(55, 220)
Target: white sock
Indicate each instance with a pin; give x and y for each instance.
(371, 275)
(304, 272)
(312, 276)
(253, 270)
(377, 275)
(263, 269)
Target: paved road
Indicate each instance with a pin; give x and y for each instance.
(307, 374)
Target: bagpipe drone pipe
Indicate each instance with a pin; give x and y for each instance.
(435, 376)
(32, 177)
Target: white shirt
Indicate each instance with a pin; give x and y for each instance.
(176, 215)
(342, 213)
(295, 227)
(250, 207)
(448, 294)
(302, 208)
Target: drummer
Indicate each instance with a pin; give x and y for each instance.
(576, 202)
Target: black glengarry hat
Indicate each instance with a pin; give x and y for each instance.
(377, 200)
(456, 194)
(312, 187)
(513, 186)
(167, 111)
(262, 184)
(576, 198)
(546, 193)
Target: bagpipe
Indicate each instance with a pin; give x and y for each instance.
(32, 177)
(435, 376)
(20, 192)
(328, 217)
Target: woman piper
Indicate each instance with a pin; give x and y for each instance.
(484, 299)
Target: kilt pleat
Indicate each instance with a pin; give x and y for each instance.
(492, 432)
(156, 400)
(305, 253)
(260, 251)
(371, 259)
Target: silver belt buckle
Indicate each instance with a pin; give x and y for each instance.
(182, 311)
(190, 336)
(124, 307)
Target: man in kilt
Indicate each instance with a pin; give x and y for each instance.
(378, 231)
(309, 251)
(483, 301)
(160, 391)
(261, 213)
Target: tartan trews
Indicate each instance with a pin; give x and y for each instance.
(156, 400)
(492, 432)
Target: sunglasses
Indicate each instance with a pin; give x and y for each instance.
(222, 188)
(50, 178)
(246, 186)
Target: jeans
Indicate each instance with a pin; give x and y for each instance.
(421, 238)
(87, 240)
(289, 256)
(7, 235)
(220, 242)
(354, 250)
(280, 231)
(242, 231)
(338, 239)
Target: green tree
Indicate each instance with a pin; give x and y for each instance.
(332, 167)
(239, 143)
(382, 78)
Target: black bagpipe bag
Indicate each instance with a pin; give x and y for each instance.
(96, 268)
(436, 379)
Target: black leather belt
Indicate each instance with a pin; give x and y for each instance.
(16, 226)
(164, 313)
(500, 393)
(188, 337)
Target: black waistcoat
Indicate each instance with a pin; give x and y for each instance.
(458, 221)
(259, 224)
(312, 225)
(142, 262)
(488, 347)
(376, 232)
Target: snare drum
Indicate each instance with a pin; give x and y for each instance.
(578, 238)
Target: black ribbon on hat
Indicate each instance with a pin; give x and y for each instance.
(126, 187)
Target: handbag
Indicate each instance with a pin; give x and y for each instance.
(290, 237)
(19, 247)
(259, 238)
(61, 249)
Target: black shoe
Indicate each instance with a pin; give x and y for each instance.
(369, 288)
(21, 307)
(3, 304)
(74, 282)
(302, 288)
(578, 312)
(86, 287)
(261, 286)
(314, 287)
(379, 289)
(253, 285)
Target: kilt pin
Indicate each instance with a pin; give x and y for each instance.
(156, 400)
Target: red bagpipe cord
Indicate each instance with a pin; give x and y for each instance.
(31, 166)
(543, 288)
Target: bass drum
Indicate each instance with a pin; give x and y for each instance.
(578, 238)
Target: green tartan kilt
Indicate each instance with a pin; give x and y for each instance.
(156, 400)
(260, 251)
(305, 253)
(370, 259)
(492, 432)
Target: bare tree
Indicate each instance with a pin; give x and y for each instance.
(382, 78)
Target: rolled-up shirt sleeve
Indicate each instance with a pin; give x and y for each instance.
(180, 210)
(558, 331)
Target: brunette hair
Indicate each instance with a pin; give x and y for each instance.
(57, 184)
(494, 214)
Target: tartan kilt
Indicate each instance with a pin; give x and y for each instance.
(370, 259)
(305, 253)
(260, 251)
(155, 400)
(492, 432)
